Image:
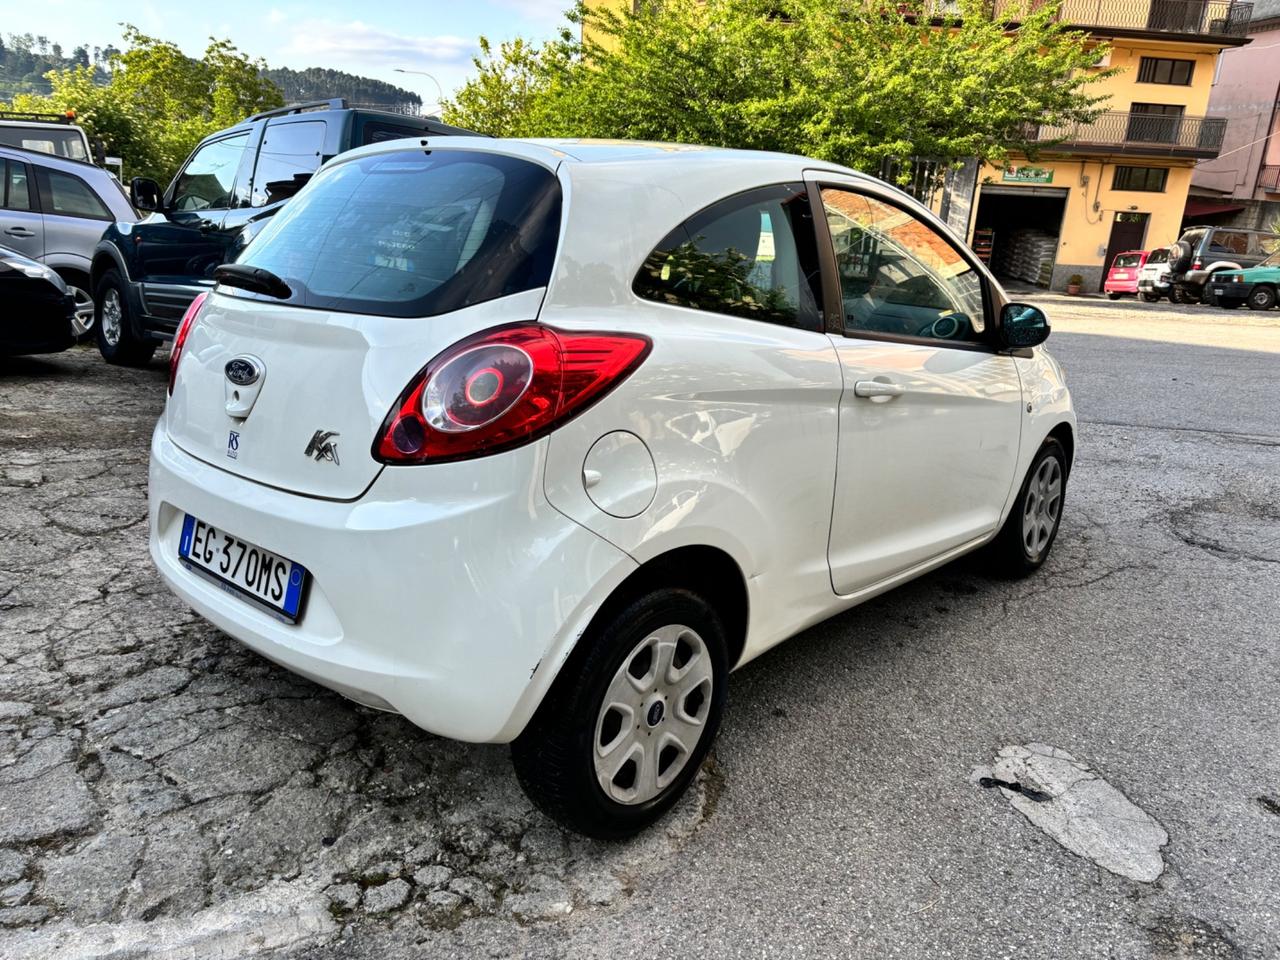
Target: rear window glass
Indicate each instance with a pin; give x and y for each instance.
(1128, 260)
(1158, 256)
(414, 233)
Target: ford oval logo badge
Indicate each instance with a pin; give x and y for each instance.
(243, 371)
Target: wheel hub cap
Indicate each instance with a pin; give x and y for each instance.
(111, 317)
(653, 715)
(1044, 502)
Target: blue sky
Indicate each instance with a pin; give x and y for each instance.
(370, 38)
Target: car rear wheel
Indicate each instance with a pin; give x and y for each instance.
(1113, 296)
(1262, 298)
(1150, 297)
(1023, 543)
(117, 341)
(627, 723)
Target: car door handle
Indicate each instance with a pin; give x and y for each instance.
(19, 232)
(876, 389)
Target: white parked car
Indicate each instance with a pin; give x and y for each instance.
(537, 441)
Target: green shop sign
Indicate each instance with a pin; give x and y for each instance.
(1027, 175)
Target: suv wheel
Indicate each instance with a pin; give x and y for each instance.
(1262, 298)
(117, 341)
(78, 286)
(625, 727)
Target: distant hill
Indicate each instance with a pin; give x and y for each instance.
(318, 83)
(25, 59)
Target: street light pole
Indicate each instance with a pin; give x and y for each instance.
(423, 73)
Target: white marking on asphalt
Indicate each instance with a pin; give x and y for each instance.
(1083, 812)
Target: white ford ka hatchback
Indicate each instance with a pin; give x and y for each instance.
(535, 442)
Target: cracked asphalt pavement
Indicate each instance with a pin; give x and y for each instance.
(165, 793)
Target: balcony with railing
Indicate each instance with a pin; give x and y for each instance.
(1209, 20)
(1269, 178)
(1136, 134)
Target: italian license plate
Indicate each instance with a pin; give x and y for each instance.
(243, 568)
(1217, 291)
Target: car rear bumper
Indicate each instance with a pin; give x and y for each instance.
(1152, 286)
(1120, 286)
(450, 594)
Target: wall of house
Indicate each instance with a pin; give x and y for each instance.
(1246, 93)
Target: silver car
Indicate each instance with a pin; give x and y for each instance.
(54, 210)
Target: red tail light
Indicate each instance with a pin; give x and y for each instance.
(503, 388)
(180, 338)
(1197, 264)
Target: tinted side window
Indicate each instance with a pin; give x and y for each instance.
(753, 255)
(68, 196)
(290, 154)
(1229, 241)
(16, 192)
(898, 275)
(205, 183)
(378, 131)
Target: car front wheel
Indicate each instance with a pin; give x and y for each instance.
(117, 341)
(1262, 298)
(627, 723)
(1023, 543)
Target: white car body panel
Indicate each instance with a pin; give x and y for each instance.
(452, 593)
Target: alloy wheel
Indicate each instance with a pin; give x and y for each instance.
(654, 714)
(82, 319)
(112, 317)
(1043, 503)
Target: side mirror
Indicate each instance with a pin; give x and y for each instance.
(1022, 325)
(145, 194)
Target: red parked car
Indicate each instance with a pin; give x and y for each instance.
(1122, 278)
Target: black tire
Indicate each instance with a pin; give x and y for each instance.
(1009, 554)
(128, 349)
(1262, 298)
(554, 756)
(1113, 296)
(1150, 297)
(1179, 256)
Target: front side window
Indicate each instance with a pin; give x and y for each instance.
(16, 192)
(290, 154)
(69, 196)
(753, 255)
(898, 275)
(415, 234)
(206, 181)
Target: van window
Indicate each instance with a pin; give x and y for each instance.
(290, 154)
(414, 233)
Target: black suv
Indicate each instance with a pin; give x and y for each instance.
(146, 274)
(1203, 251)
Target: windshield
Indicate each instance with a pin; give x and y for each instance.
(415, 233)
(1271, 261)
(67, 143)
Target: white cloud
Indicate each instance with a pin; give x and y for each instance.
(277, 16)
(323, 42)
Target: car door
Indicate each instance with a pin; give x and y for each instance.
(21, 226)
(930, 414)
(180, 249)
(74, 217)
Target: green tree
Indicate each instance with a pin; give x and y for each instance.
(158, 103)
(852, 83)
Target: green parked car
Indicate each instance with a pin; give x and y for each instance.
(1256, 286)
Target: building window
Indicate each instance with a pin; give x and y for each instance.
(1148, 179)
(1164, 70)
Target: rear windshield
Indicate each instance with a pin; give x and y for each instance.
(1158, 256)
(1128, 260)
(414, 233)
(57, 143)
